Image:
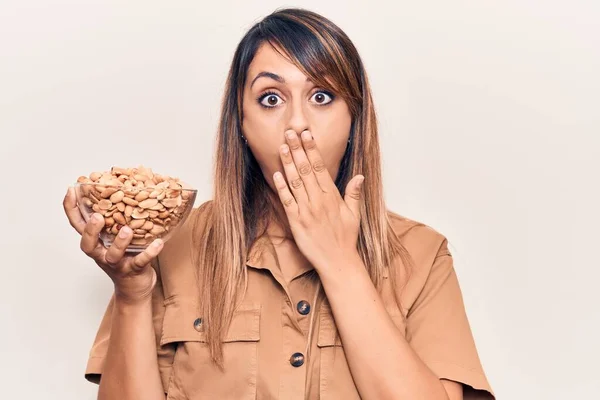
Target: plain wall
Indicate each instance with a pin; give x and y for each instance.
(489, 117)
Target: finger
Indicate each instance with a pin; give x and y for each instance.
(115, 252)
(353, 194)
(285, 196)
(322, 175)
(303, 166)
(294, 180)
(140, 261)
(72, 211)
(90, 242)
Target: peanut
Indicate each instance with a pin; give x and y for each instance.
(137, 214)
(119, 218)
(150, 204)
(128, 210)
(104, 204)
(129, 201)
(148, 225)
(137, 223)
(117, 196)
(106, 193)
(141, 196)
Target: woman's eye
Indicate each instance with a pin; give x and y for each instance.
(270, 100)
(322, 98)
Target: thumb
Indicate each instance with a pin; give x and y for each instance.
(353, 194)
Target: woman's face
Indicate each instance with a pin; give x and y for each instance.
(278, 97)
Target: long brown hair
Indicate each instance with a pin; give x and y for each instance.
(242, 202)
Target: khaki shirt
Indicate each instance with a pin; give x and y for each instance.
(272, 324)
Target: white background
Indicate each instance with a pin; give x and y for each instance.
(489, 117)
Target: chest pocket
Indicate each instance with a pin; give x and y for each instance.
(193, 375)
(336, 380)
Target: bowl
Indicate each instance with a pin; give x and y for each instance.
(151, 212)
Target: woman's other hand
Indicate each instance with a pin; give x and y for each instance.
(132, 275)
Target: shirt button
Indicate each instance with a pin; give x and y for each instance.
(297, 359)
(198, 324)
(303, 307)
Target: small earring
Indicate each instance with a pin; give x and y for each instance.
(245, 140)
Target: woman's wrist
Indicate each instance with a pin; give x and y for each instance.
(342, 268)
(128, 303)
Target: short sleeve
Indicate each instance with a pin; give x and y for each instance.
(99, 348)
(439, 331)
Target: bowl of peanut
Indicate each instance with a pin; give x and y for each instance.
(152, 205)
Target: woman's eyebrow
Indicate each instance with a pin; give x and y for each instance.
(272, 75)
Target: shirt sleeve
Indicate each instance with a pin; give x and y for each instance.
(99, 348)
(438, 329)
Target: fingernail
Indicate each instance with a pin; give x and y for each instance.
(124, 232)
(157, 243)
(290, 134)
(306, 135)
(360, 182)
(97, 217)
(285, 149)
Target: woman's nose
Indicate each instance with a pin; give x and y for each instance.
(297, 118)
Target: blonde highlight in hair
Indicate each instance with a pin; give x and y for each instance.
(242, 203)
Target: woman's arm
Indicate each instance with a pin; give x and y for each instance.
(382, 363)
(131, 367)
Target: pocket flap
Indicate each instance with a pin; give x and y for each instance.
(327, 329)
(179, 323)
(245, 324)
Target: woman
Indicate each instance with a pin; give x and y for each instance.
(288, 284)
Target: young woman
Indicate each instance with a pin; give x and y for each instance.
(294, 281)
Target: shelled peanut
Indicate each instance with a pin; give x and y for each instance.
(149, 203)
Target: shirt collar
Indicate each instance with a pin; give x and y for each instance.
(262, 255)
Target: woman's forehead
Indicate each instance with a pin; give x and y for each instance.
(275, 66)
(270, 61)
